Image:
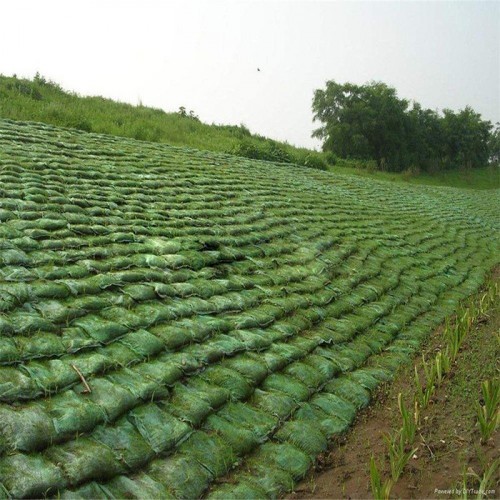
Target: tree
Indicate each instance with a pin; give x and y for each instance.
(494, 145)
(362, 121)
(371, 122)
(424, 138)
(466, 138)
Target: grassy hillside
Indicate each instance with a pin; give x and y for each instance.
(177, 323)
(44, 101)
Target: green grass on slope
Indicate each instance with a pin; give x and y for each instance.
(46, 102)
(229, 319)
(477, 178)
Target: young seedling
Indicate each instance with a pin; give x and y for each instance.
(443, 365)
(416, 411)
(429, 372)
(423, 392)
(488, 298)
(439, 368)
(409, 424)
(470, 311)
(419, 390)
(381, 490)
(483, 482)
(491, 394)
(398, 456)
(488, 415)
(453, 343)
(464, 485)
(466, 320)
(446, 360)
(488, 475)
(456, 334)
(483, 304)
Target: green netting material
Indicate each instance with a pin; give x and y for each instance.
(178, 323)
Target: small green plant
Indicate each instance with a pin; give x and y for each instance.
(488, 414)
(416, 411)
(488, 298)
(453, 343)
(429, 371)
(455, 334)
(381, 490)
(426, 390)
(439, 368)
(488, 475)
(398, 454)
(409, 423)
(463, 486)
(483, 482)
(443, 365)
(484, 303)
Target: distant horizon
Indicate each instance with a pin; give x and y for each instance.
(258, 63)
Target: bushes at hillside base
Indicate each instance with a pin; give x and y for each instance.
(269, 150)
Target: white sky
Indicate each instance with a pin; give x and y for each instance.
(204, 55)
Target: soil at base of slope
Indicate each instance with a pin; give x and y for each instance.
(448, 440)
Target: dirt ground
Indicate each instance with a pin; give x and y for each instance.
(448, 440)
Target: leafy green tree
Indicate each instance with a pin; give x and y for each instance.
(371, 122)
(361, 121)
(424, 138)
(466, 138)
(494, 145)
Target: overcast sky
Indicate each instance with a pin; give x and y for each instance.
(204, 55)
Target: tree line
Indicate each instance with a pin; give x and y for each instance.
(370, 122)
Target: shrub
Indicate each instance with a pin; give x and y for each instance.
(262, 150)
(80, 124)
(315, 160)
(331, 158)
(29, 89)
